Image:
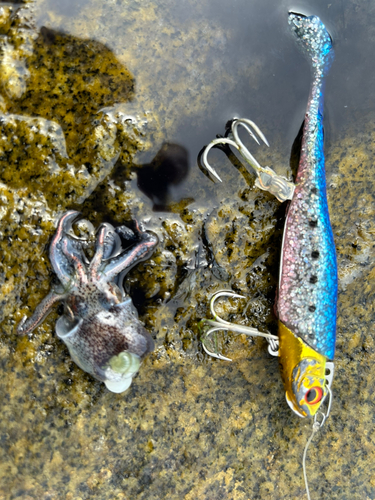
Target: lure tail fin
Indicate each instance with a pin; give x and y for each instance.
(314, 40)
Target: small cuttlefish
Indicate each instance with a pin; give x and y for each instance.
(100, 324)
(307, 292)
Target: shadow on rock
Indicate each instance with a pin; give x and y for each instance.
(69, 80)
(159, 179)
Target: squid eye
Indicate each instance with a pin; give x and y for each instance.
(314, 395)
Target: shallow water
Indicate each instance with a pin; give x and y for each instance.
(97, 98)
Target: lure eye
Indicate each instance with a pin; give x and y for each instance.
(314, 395)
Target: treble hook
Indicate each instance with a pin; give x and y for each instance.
(267, 179)
(221, 324)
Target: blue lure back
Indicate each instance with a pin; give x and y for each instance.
(307, 295)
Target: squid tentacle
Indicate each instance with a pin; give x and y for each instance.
(69, 251)
(128, 259)
(27, 325)
(99, 253)
(112, 242)
(59, 261)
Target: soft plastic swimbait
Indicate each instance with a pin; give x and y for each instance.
(307, 293)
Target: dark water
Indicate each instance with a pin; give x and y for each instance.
(252, 38)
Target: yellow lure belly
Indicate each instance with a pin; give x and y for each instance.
(303, 371)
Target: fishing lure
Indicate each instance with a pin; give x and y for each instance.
(100, 325)
(307, 292)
